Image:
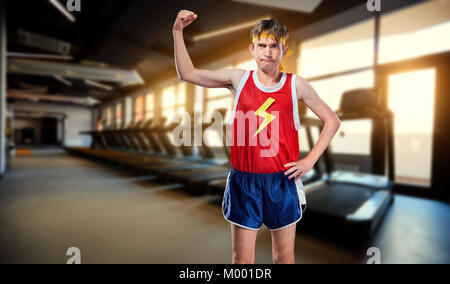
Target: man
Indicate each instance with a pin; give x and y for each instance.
(264, 185)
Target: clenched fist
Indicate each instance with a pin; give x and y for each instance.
(184, 18)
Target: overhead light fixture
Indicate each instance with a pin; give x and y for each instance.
(230, 29)
(25, 95)
(73, 71)
(40, 56)
(63, 10)
(44, 42)
(62, 80)
(98, 85)
(304, 6)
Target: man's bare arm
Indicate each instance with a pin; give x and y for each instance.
(225, 78)
(307, 94)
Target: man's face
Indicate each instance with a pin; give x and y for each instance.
(267, 53)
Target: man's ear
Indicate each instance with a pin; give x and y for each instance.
(251, 49)
(285, 50)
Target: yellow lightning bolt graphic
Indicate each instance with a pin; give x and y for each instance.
(267, 116)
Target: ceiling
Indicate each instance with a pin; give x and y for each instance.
(136, 34)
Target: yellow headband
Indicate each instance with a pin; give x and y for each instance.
(267, 35)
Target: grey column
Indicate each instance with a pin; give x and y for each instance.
(2, 86)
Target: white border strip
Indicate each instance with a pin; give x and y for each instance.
(223, 201)
(238, 93)
(295, 102)
(270, 89)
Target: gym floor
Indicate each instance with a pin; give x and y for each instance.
(53, 201)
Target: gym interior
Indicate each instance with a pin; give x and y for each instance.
(91, 108)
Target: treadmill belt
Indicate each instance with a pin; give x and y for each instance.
(338, 199)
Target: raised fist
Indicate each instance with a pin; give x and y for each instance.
(184, 19)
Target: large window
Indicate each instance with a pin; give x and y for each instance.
(128, 110)
(246, 65)
(411, 98)
(345, 49)
(109, 116)
(149, 105)
(354, 137)
(415, 31)
(338, 51)
(139, 108)
(119, 114)
(173, 100)
(419, 30)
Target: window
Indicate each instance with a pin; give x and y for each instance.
(109, 116)
(419, 30)
(330, 90)
(414, 31)
(168, 102)
(149, 105)
(413, 124)
(128, 110)
(118, 114)
(246, 65)
(139, 108)
(345, 49)
(173, 100)
(355, 132)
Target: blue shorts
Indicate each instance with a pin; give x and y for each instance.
(251, 200)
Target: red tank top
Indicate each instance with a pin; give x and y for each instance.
(265, 124)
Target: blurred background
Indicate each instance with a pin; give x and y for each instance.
(89, 99)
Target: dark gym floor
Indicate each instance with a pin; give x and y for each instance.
(50, 202)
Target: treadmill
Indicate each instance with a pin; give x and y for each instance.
(353, 202)
(144, 156)
(196, 178)
(205, 162)
(166, 159)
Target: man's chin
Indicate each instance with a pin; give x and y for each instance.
(267, 68)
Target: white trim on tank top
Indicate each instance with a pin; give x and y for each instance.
(295, 102)
(270, 89)
(238, 93)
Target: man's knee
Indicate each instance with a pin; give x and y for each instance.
(242, 259)
(284, 258)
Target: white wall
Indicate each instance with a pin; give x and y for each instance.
(78, 119)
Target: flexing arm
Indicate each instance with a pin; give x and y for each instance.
(225, 78)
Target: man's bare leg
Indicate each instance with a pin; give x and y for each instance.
(283, 242)
(243, 245)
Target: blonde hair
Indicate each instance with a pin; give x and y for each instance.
(271, 27)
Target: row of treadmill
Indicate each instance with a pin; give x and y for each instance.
(339, 203)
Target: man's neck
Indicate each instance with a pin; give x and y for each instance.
(270, 78)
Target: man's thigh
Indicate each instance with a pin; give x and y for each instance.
(243, 240)
(283, 240)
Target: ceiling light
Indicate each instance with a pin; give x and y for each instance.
(230, 29)
(62, 80)
(63, 10)
(305, 6)
(41, 56)
(98, 85)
